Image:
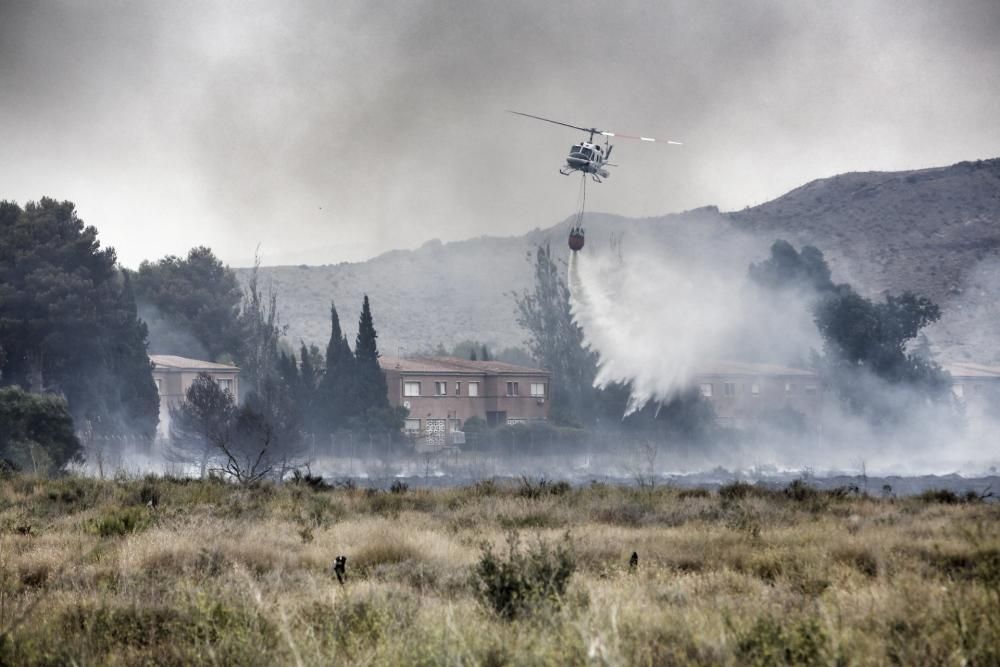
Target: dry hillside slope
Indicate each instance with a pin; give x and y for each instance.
(934, 231)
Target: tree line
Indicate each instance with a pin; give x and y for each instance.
(76, 329)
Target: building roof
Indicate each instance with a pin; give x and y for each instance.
(455, 366)
(746, 368)
(968, 369)
(184, 364)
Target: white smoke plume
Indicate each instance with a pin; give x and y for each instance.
(656, 320)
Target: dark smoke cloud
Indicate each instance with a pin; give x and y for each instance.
(330, 131)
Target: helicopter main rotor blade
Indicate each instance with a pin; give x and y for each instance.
(549, 120)
(629, 136)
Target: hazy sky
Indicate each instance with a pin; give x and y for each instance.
(332, 131)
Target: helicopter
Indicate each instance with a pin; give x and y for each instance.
(589, 157)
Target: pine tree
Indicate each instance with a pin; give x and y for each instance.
(68, 322)
(258, 320)
(556, 342)
(130, 367)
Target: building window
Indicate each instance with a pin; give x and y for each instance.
(958, 390)
(411, 389)
(706, 390)
(810, 389)
(225, 384)
(473, 389)
(412, 425)
(512, 389)
(729, 388)
(538, 389)
(458, 388)
(755, 389)
(789, 387)
(440, 388)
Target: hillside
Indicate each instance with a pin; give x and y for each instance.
(934, 231)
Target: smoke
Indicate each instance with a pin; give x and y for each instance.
(333, 131)
(656, 320)
(167, 336)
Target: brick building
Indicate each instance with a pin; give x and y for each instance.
(742, 393)
(441, 393)
(173, 376)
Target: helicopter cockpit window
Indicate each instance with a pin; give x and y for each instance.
(575, 149)
(587, 153)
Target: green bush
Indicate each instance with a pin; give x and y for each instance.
(773, 642)
(513, 585)
(943, 496)
(123, 521)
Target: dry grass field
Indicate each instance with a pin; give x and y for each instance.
(166, 571)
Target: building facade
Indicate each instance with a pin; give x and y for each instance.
(743, 393)
(976, 387)
(173, 377)
(441, 393)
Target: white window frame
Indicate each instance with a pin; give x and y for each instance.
(538, 389)
(755, 389)
(729, 389)
(411, 424)
(512, 389)
(472, 389)
(440, 388)
(409, 386)
(706, 389)
(458, 388)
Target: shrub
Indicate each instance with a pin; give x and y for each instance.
(773, 642)
(314, 482)
(943, 496)
(684, 494)
(543, 487)
(738, 491)
(800, 492)
(123, 521)
(514, 584)
(149, 494)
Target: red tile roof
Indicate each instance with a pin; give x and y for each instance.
(455, 366)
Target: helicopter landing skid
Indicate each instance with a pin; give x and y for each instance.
(566, 171)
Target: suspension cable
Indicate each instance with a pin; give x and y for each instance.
(583, 201)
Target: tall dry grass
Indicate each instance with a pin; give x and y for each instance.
(167, 571)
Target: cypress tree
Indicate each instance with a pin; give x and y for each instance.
(371, 388)
(335, 394)
(484, 353)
